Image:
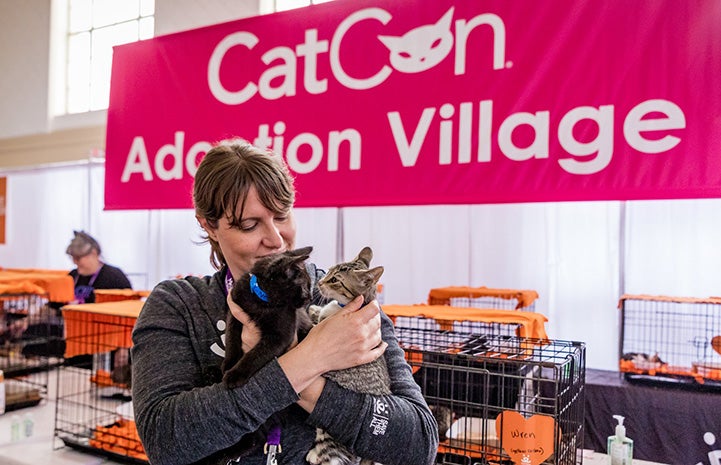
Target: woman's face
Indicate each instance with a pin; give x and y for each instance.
(88, 263)
(261, 232)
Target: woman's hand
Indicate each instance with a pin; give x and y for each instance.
(351, 337)
(251, 334)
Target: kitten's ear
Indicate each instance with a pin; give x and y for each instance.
(369, 277)
(365, 256)
(303, 250)
(375, 273)
(301, 254)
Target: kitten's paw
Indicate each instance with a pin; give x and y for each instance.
(330, 309)
(314, 313)
(327, 451)
(312, 457)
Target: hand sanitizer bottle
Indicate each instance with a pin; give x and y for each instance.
(620, 448)
(15, 433)
(2, 392)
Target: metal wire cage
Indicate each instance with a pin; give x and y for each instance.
(474, 382)
(484, 297)
(671, 339)
(93, 409)
(26, 335)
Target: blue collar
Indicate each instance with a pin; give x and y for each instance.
(255, 288)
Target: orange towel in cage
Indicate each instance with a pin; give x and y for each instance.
(100, 327)
(112, 295)
(21, 287)
(121, 438)
(442, 295)
(58, 284)
(531, 325)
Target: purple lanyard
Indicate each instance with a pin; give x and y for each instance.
(92, 278)
(272, 443)
(272, 446)
(83, 291)
(229, 281)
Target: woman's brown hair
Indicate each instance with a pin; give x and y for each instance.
(224, 177)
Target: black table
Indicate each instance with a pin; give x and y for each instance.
(668, 422)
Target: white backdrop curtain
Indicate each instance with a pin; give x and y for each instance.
(567, 252)
(579, 256)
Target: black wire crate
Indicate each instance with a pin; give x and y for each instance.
(26, 331)
(500, 398)
(488, 328)
(94, 406)
(671, 339)
(484, 297)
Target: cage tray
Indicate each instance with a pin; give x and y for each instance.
(674, 381)
(22, 366)
(16, 397)
(83, 446)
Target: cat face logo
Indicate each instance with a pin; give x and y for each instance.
(418, 49)
(421, 48)
(381, 408)
(216, 348)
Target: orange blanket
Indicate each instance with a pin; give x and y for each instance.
(441, 295)
(21, 287)
(57, 284)
(531, 324)
(111, 295)
(100, 327)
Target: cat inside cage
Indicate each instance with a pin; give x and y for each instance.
(473, 381)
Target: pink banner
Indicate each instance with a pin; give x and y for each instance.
(386, 102)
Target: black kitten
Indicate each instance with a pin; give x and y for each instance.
(274, 295)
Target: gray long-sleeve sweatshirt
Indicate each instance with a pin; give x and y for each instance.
(184, 416)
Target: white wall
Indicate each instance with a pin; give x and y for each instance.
(24, 61)
(25, 47)
(181, 15)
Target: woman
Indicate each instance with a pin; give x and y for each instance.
(90, 272)
(243, 200)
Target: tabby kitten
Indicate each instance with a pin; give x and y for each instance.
(274, 295)
(343, 283)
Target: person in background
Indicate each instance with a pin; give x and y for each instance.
(90, 272)
(244, 200)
